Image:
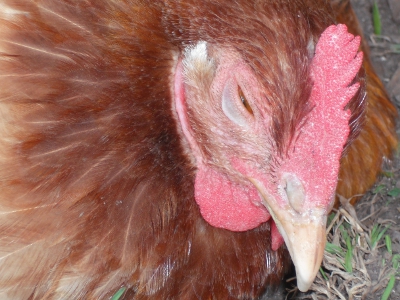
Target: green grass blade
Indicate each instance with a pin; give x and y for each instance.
(323, 274)
(379, 188)
(118, 294)
(376, 18)
(349, 256)
(396, 261)
(343, 231)
(376, 234)
(330, 219)
(333, 249)
(388, 242)
(347, 263)
(394, 193)
(381, 234)
(389, 288)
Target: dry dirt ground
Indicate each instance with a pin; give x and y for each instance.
(372, 268)
(383, 207)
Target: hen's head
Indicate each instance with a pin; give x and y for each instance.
(264, 147)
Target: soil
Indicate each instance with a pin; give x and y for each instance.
(383, 207)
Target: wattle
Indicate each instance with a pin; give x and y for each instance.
(231, 206)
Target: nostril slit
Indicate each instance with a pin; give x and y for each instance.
(295, 192)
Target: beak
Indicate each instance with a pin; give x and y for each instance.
(304, 235)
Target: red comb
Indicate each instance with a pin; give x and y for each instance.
(316, 153)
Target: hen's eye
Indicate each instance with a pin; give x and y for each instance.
(244, 100)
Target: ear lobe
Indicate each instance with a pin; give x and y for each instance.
(181, 110)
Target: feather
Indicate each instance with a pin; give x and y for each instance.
(96, 183)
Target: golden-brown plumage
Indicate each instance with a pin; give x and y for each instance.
(96, 188)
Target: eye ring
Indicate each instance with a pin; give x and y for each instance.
(244, 101)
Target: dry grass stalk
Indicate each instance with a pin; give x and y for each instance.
(340, 283)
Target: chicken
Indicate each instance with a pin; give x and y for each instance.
(146, 145)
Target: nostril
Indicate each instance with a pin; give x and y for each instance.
(294, 191)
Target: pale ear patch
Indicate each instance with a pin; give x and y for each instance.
(311, 48)
(198, 68)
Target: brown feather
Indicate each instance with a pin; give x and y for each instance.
(96, 189)
(96, 193)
